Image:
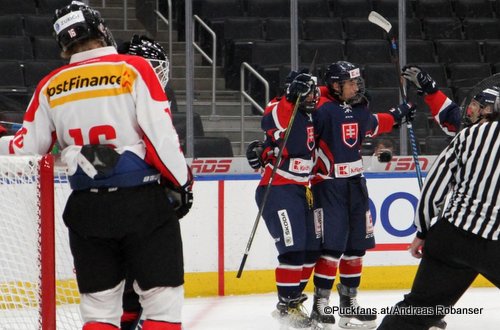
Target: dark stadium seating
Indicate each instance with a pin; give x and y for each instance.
(491, 51)
(435, 144)
(328, 51)
(38, 25)
(457, 51)
(389, 8)
(442, 28)
(34, 71)
(49, 6)
(179, 121)
(46, 48)
(11, 25)
(382, 99)
(420, 51)
(278, 28)
(368, 51)
(433, 8)
(266, 8)
(481, 28)
(413, 27)
(321, 28)
(380, 75)
(313, 8)
(11, 76)
(352, 8)
(473, 8)
(361, 28)
(205, 146)
(467, 74)
(15, 48)
(18, 7)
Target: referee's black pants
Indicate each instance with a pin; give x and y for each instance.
(452, 259)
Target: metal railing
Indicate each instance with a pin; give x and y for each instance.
(244, 95)
(210, 60)
(168, 22)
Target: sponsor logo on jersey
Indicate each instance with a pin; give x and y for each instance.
(310, 137)
(300, 166)
(350, 134)
(89, 81)
(286, 227)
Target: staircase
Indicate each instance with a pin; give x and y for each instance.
(226, 122)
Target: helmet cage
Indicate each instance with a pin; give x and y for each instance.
(154, 53)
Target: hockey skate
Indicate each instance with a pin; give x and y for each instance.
(321, 314)
(291, 313)
(352, 316)
(441, 325)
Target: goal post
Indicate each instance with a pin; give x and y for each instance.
(38, 288)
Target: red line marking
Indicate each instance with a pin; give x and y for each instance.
(221, 238)
(391, 247)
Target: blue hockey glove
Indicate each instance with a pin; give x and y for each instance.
(421, 79)
(405, 112)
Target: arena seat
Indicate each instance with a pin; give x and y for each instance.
(46, 48)
(15, 48)
(11, 25)
(352, 8)
(442, 28)
(457, 51)
(368, 51)
(313, 8)
(473, 8)
(433, 8)
(321, 28)
(380, 75)
(49, 6)
(413, 27)
(389, 8)
(38, 25)
(267, 8)
(205, 146)
(467, 74)
(491, 51)
(11, 76)
(420, 51)
(481, 28)
(382, 99)
(278, 28)
(361, 28)
(18, 7)
(34, 71)
(328, 51)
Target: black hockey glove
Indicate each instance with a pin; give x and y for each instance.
(254, 154)
(421, 79)
(181, 199)
(300, 86)
(405, 112)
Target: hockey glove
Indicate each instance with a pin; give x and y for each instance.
(405, 112)
(421, 79)
(254, 154)
(181, 199)
(300, 86)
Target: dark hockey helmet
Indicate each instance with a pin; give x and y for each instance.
(154, 53)
(340, 72)
(77, 22)
(484, 103)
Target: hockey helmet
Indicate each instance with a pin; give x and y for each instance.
(154, 53)
(485, 102)
(340, 72)
(76, 22)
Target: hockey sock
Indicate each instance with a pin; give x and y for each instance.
(325, 272)
(350, 270)
(129, 320)
(288, 280)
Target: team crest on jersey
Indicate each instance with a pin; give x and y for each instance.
(310, 137)
(350, 134)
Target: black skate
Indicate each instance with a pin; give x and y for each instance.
(321, 314)
(291, 312)
(352, 316)
(440, 325)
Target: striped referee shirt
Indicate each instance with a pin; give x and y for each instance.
(469, 170)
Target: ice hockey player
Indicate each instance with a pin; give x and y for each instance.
(288, 208)
(464, 241)
(110, 115)
(341, 122)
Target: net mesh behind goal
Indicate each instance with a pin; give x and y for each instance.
(29, 289)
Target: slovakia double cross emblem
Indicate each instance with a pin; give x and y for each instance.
(350, 134)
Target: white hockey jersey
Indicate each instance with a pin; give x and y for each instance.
(102, 97)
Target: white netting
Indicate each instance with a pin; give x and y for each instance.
(20, 249)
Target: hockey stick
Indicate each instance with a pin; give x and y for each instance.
(268, 187)
(383, 23)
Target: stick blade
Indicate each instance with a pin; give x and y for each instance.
(379, 20)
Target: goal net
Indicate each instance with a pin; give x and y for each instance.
(37, 283)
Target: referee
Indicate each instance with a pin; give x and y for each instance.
(464, 242)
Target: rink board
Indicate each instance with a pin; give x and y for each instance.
(216, 232)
